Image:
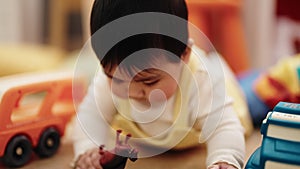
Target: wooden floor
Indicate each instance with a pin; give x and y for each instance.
(190, 159)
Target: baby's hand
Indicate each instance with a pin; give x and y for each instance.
(222, 165)
(89, 160)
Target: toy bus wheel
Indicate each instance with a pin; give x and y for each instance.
(18, 152)
(49, 143)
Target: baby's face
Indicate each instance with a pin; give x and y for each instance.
(156, 84)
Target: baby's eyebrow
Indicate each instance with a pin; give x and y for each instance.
(142, 76)
(147, 75)
(140, 79)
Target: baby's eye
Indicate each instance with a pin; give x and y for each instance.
(150, 83)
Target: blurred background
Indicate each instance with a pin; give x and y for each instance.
(250, 34)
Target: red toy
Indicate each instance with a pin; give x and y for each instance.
(117, 158)
(34, 111)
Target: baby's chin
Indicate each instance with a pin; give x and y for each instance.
(147, 103)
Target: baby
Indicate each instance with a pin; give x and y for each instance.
(157, 88)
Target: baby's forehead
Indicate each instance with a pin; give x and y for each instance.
(150, 66)
(138, 73)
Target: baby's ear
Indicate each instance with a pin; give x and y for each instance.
(186, 55)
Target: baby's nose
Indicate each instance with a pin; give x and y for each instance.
(136, 91)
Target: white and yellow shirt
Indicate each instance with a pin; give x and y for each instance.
(192, 113)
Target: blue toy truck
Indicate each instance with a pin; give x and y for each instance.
(280, 147)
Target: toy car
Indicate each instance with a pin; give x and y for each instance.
(34, 111)
(280, 147)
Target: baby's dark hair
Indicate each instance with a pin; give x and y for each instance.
(106, 11)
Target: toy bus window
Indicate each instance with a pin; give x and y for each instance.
(28, 105)
(64, 102)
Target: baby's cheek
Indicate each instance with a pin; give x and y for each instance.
(169, 90)
(119, 90)
(157, 95)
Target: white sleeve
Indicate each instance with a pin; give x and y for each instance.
(91, 128)
(221, 128)
(227, 143)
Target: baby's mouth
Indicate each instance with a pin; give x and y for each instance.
(142, 104)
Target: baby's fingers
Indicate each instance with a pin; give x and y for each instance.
(88, 160)
(214, 167)
(221, 165)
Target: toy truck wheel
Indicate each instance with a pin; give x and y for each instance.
(49, 143)
(18, 152)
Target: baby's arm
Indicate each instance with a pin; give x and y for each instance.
(90, 128)
(220, 126)
(226, 145)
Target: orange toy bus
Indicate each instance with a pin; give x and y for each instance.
(34, 111)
